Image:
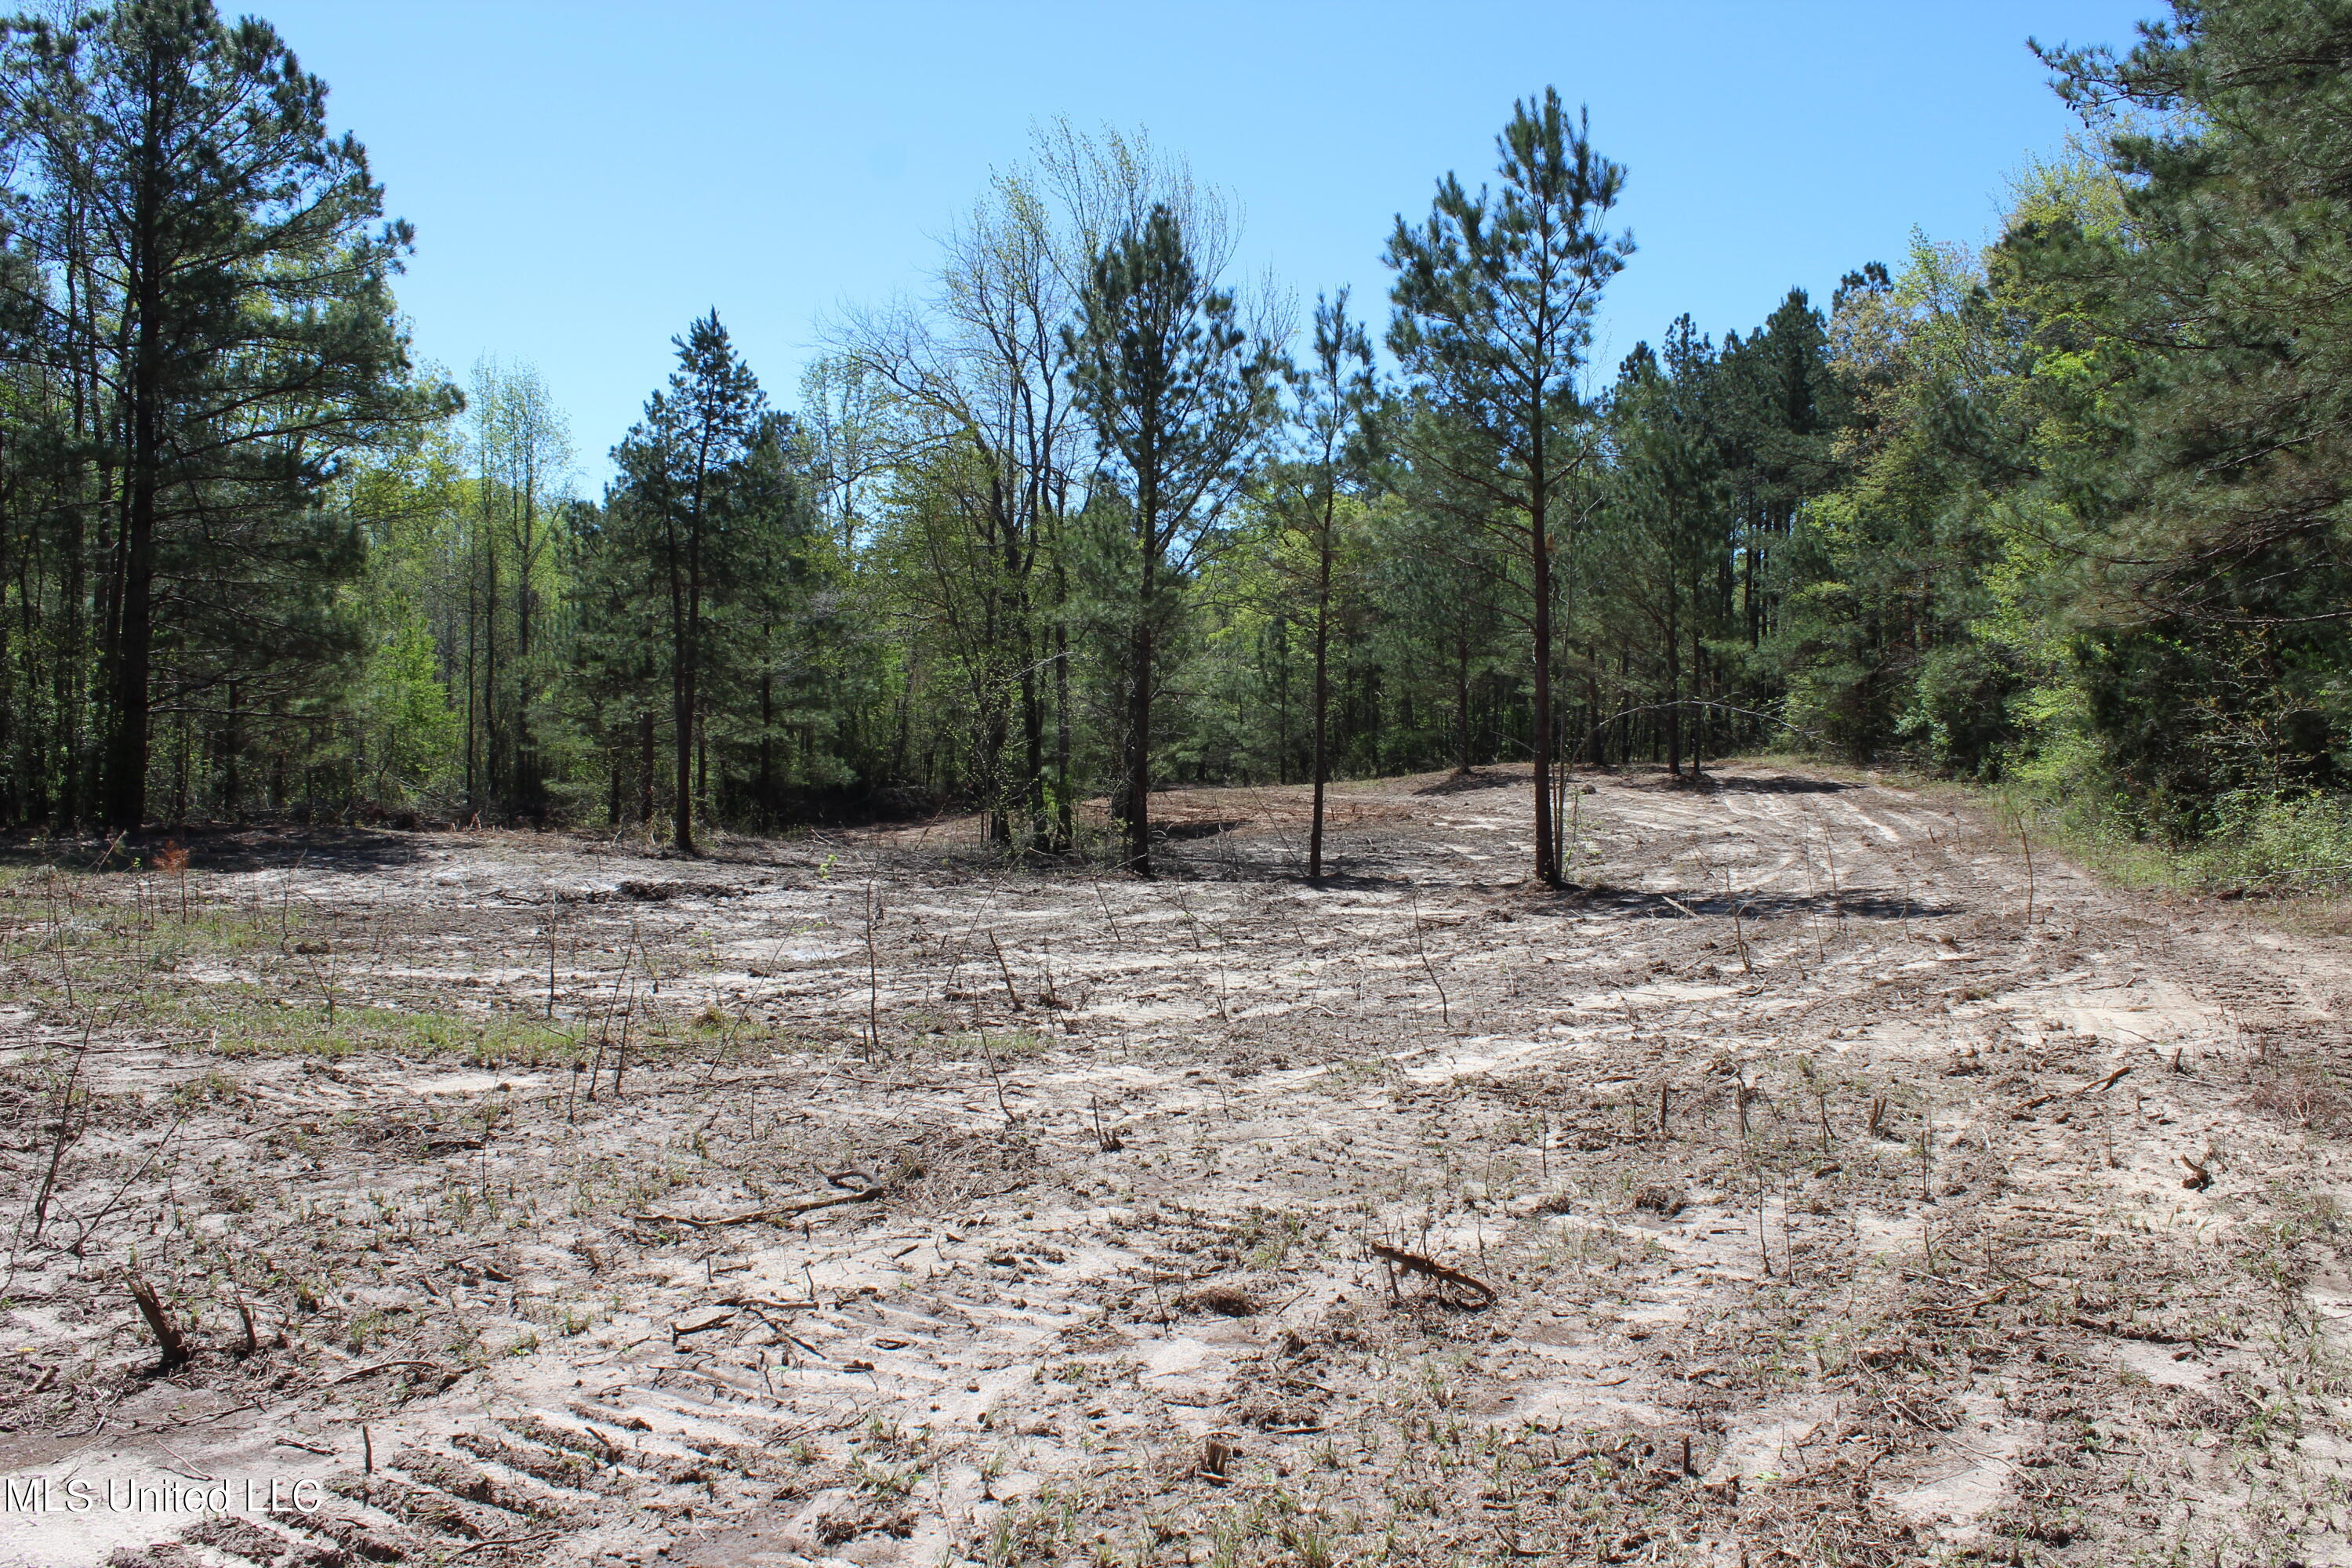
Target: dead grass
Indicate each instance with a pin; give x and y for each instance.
(1853, 1231)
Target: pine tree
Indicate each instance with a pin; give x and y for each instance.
(677, 464)
(1179, 395)
(1669, 511)
(221, 277)
(1494, 297)
(1335, 397)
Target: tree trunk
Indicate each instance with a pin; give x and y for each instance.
(1032, 735)
(180, 778)
(995, 790)
(1135, 809)
(1673, 713)
(134, 640)
(1698, 690)
(1546, 849)
(127, 747)
(1462, 699)
(1065, 827)
(767, 749)
(490, 668)
(682, 697)
(1752, 604)
(1322, 693)
(526, 749)
(645, 766)
(473, 795)
(686, 610)
(232, 750)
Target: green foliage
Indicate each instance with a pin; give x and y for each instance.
(1885, 643)
(2067, 515)
(203, 339)
(403, 706)
(1179, 395)
(2189, 310)
(2090, 528)
(699, 573)
(1494, 297)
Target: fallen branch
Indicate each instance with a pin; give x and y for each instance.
(380, 1366)
(2150, 1336)
(755, 1303)
(2105, 1082)
(1396, 1258)
(1959, 1307)
(755, 1216)
(506, 1541)
(717, 1320)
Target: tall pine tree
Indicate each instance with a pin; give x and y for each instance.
(1495, 295)
(212, 262)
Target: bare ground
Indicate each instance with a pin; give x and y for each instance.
(846, 1199)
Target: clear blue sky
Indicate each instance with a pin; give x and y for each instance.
(586, 176)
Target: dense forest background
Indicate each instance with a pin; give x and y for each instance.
(1095, 518)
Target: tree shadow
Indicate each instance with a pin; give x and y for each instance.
(1178, 832)
(1775, 784)
(1855, 903)
(222, 848)
(1460, 784)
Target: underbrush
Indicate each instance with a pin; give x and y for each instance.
(2254, 843)
(2259, 844)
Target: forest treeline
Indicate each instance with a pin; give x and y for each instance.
(1092, 515)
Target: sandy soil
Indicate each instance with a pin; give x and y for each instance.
(535, 1199)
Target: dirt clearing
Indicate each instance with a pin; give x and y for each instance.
(1785, 1193)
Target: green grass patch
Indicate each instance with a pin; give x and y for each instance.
(1009, 1043)
(244, 1021)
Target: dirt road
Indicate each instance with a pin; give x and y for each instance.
(1799, 1195)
